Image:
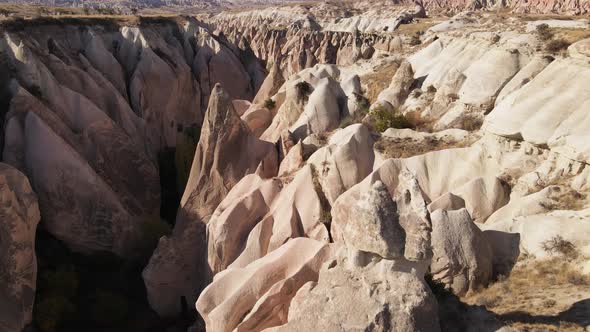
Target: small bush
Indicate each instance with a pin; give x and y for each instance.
(303, 90)
(360, 114)
(270, 104)
(557, 45)
(415, 40)
(384, 120)
(544, 32)
(558, 245)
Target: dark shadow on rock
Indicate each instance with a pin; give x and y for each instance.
(506, 249)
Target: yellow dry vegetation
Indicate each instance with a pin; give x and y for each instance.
(539, 295)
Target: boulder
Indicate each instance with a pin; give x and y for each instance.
(483, 197)
(380, 296)
(399, 89)
(19, 216)
(462, 258)
(373, 224)
(345, 161)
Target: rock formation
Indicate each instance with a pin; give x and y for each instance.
(19, 218)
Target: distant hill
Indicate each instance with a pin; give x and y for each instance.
(151, 3)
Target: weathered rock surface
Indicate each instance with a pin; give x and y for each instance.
(379, 296)
(345, 161)
(462, 258)
(257, 296)
(219, 164)
(19, 216)
(373, 225)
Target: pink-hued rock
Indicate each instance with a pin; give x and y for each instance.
(233, 220)
(258, 118)
(257, 296)
(296, 212)
(227, 151)
(220, 161)
(19, 216)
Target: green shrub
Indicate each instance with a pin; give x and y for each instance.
(360, 114)
(544, 32)
(303, 90)
(384, 120)
(557, 45)
(270, 104)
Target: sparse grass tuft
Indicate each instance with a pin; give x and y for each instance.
(556, 46)
(557, 245)
(544, 32)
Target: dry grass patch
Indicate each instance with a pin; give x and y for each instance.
(539, 295)
(408, 147)
(419, 26)
(571, 35)
(379, 79)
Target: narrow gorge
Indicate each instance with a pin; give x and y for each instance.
(297, 168)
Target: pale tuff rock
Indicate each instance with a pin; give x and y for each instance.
(219, 164)
(558, 119)
(580, 50)
(271, 84)
(306, 112)
(293, 161)
(373, 225)
(534, 230)
(296, 212)
(258, 296)
(399, 89)
(235, 217)
(483, 196)
(462, 258)
(345, 161)
(19, 216)
(382, 295)
(524, 76)
(257, 118)
(413, 217)
(323, 111)
(532, 204)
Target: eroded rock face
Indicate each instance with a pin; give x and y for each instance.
(345, 161)
(220, 162)
(19, 216)
(462, 258)
(379, 296)
(258, 295)
(373, 225)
